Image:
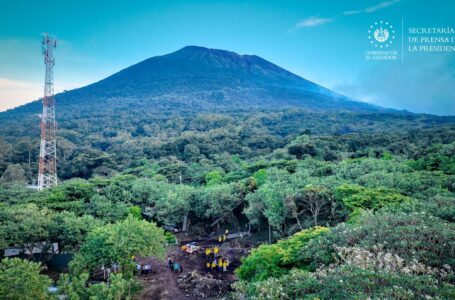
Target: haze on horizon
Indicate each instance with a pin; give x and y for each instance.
(96, 41)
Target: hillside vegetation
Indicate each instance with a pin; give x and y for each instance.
(190, 107)
(360, 214)
(344, 200)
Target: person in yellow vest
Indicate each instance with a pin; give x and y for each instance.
(208, 265)
(216, 250)
(219, 239)
(208, 251)
(213, 264)
(225, 265)
(220, 264)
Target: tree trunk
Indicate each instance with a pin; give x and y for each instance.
(270, 234)
(185, 222)
(298, 221)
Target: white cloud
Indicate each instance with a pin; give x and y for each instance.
(423, 84)
(371, 9)
(312, 22)
(6, 83)
(16, 92)
(352, 12)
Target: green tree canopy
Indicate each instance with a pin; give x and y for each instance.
(277, 259)
(117, 243)
(14, 173)
(21, 279)
(24, 225)
(70, 230)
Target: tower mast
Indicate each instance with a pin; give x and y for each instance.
(47, 172)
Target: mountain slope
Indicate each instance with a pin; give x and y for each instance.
(203, 78)
(195, 107)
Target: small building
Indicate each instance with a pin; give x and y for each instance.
(30, 249)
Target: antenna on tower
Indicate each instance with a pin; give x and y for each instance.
(47, 172)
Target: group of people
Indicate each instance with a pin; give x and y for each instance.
(222, 238)
(174, 266)
(143, 269)
(214, 261)
(211, 252)
(220, 264)
(114, 268)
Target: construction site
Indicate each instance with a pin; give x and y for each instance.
(200, 277)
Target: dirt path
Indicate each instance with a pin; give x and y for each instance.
(161, 283)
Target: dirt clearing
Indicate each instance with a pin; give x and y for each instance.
(162, 283)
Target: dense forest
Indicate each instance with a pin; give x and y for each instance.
(106, 142)
(341, 199)
(369, 213)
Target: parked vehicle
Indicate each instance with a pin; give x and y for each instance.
(191, 248)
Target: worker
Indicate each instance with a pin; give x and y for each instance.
(208, 264)
(213, 264)
(208, 251)
(138, 268)
(220, 264)
(133, 258)
(176, 267)
(225, 264)
(170, 262)
(147, 269)
(226, 232)
(219, 239)
(216, 250)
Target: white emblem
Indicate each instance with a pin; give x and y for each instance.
(381, 34)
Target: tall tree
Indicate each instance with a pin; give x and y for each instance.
(117, 243)
(21, 279)
(14, 173)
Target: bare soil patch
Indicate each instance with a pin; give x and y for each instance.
(162, 283)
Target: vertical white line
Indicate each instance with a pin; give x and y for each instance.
(402, 39)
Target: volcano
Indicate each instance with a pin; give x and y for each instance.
(198, 78)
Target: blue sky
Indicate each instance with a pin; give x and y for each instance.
(323, 41)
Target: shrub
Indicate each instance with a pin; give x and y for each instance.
(358, 198)
(135, 211)
(354, 196)
(439, 158)
(277, 259)
(262, 263)
(170, 238)
(414, 236)
(442, 207)
(348, 282)
(79, 287)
